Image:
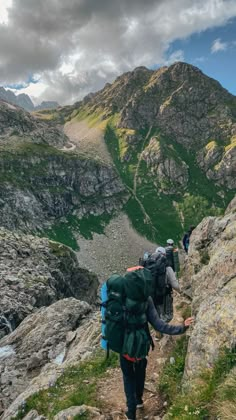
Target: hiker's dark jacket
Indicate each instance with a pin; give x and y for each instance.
(159, 325)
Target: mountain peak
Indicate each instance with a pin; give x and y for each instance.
(23, 100)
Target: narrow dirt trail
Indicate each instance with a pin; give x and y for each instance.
(110, 389)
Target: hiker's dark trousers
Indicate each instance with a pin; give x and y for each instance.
(134, 379)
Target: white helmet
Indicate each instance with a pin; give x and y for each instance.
(170, 242)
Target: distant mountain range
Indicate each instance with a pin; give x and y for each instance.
(24, 101)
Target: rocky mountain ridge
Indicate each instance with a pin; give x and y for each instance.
(171, 134)
(23, 100)
(186, 106)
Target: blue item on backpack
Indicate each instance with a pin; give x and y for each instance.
(103, 341)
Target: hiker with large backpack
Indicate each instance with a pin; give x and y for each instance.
(164, 281)
(127, 308)
(172, 256)
(165, 307)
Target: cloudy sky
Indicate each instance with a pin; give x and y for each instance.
(63, 49)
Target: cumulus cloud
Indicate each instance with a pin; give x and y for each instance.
(78, 45)
(218, 45)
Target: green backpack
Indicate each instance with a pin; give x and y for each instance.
(126, 326)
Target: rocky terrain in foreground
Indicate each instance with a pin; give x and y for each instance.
(36, 272)
(210, 272)
(50, 340)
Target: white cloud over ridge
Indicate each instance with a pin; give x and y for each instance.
(78, 45)
(218, 45)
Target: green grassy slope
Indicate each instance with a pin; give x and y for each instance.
(170, 214)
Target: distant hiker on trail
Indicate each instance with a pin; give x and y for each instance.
(127, 308)
(172, 255)
(186, 238)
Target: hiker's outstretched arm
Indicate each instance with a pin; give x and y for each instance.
(172, 279)
(160, 325)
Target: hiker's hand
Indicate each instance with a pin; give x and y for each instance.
(188, 321)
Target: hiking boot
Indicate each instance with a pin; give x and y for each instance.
(139, 403)
(130, 416)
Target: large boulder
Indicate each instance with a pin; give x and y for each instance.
(36, 272)
(73, 345)
(40, 339)
(73, 412)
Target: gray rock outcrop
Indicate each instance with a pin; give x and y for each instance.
(39, 340)
(211, 266)
(15, 121)
(36, 272)
(58, 354)
(169, 170)
(71, 412)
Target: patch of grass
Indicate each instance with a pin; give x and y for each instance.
(91, 118)
(185, 309)
(65, 231)
(93, 224)
(171, 376)
(224, 405)
(195, 208)
(200, 401)
(76, 386)
(204, 256)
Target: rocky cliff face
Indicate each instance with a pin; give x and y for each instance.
(54, 184)
(41, 182)
(36, 272)
(16, 125)
(211, 267)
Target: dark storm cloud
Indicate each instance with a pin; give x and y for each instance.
(78, 45)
